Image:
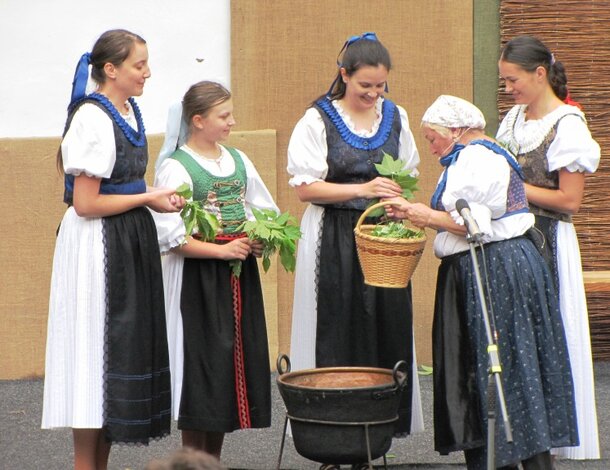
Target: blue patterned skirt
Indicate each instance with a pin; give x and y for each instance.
(535, 374)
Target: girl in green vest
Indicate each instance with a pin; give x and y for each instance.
(216, 325)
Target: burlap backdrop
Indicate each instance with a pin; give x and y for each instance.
(283, 56)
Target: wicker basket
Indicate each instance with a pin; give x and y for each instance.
(386, 262)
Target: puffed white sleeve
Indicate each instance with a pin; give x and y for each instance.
(503, 134)
(257, 194)
(480, 177)
(573, 147)
(307, 150)
(170, 227)
(88, 146)
(408, 150)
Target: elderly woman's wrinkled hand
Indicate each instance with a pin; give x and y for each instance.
(417, 213)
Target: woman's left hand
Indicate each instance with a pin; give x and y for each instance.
(257, 247)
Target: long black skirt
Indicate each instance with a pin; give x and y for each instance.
(137, 398)
(536, 375)
(226, 384)
(360, 325)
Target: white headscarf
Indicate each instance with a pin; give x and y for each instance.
(453, 112)
(175, 133)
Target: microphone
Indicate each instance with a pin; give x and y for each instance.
(473, 229)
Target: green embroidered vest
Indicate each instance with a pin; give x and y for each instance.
(223, 196)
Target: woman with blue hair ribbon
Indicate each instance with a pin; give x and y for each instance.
(337, 319)
(107, 368)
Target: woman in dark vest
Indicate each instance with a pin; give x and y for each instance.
(107, 366)
(548, 133)
(337, 320)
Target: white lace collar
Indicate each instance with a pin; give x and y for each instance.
(350, 124)
(525, 136)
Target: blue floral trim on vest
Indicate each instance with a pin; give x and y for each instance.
(137, 138)
(363, 143)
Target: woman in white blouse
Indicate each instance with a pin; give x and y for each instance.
(337, 320)
(107, 369)
(521, 301)
(555, 149)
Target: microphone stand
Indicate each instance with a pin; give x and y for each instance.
(494, 386)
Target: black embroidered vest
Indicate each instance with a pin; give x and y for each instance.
(129, 168)
(351, 158)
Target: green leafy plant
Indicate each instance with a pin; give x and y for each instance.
(195, 216)
(278, 233)
(394, 169)
(395, 230)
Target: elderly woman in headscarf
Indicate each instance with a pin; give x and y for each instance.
(520, 300)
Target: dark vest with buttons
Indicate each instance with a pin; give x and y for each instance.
(351, 158)
(129, 168)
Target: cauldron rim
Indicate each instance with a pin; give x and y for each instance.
(321, 370)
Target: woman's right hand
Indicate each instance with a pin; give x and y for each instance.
(382, 188)
(235, 249)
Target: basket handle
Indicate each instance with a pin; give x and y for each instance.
(368, 210)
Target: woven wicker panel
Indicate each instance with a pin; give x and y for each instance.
(576, 31)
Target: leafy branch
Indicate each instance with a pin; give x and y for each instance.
(278, 233)
(195, 216)
(394, 169)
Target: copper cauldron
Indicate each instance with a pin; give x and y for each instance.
(341, 415)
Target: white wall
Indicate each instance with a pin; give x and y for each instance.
(42, 40)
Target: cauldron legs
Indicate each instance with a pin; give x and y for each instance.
(366, 433)
(279, 460)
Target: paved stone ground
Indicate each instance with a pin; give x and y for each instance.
(24, 446)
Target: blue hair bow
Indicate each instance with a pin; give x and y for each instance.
(81, 75)
(370, 36)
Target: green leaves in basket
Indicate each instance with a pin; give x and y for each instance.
(195, 216)
(395, 230)
(278, 233)
(394, 169)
